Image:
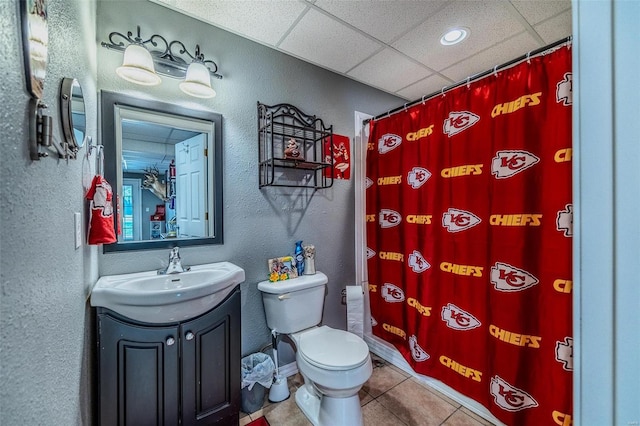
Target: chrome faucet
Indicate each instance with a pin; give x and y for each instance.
(175, 265)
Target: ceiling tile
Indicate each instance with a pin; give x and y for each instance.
(423, 43)
(537, 11)
(389, 71)
(489, 58)
(321, 40)
(384, 20)
(555, 28)
(262, 21)
(424, 87)
(333, 34)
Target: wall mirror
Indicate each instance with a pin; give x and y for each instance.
(72, 114)
(164, 163)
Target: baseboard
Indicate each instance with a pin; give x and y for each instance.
(288, 370)
(390, 354)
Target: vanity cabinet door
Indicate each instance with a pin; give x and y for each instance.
(139, 374)
(211, 366)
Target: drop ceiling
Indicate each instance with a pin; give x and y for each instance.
(146, 145)
(391, 45)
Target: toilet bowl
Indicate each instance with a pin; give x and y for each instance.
(334, 363)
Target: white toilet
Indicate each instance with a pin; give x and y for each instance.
(334, 363)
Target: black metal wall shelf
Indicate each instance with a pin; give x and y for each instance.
(295, 149)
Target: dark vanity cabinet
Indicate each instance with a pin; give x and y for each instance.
(186, 373)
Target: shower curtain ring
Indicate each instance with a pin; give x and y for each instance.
(528, 58)
(468, 82)
(443, 87)
(405, 107)
(495, 70)
(423, 99)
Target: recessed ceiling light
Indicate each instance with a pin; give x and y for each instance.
(454, 36)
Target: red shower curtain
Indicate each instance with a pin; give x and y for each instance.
(469, 225)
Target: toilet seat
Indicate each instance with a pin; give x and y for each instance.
(332, 349)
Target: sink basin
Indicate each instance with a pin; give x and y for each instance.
(153, 298)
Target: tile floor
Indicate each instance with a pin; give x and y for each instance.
(390, 398)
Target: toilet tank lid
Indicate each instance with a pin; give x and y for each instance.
(293, 284)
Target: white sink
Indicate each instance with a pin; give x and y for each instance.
(153, 298)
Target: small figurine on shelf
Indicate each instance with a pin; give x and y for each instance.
(292, 150)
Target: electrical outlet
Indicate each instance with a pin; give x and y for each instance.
(77, 222)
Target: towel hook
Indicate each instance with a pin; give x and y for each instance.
(99, 156)
(90, 148)
(100, 159)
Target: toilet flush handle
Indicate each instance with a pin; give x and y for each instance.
(284, 296)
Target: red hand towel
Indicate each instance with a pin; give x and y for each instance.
(101, 230)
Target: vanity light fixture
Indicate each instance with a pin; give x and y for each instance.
(145, 59)
(197, 82)
(137, 66)
(454, 36)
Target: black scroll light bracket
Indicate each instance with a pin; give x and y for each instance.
(171, 59)
(41, 134)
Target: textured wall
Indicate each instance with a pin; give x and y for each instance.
(44, 377)
(46, 326)
(258, 224)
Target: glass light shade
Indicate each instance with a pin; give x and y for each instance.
(197, 82)
(137, 66)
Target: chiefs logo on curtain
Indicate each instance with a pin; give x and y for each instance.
(469, 228)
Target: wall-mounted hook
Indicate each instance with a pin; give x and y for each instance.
(91, 147)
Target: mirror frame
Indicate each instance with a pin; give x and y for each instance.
(66, 110)
(111, 100)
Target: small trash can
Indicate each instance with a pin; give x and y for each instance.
(257, 374)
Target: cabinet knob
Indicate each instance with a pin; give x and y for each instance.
(189, 335)
(170, 341)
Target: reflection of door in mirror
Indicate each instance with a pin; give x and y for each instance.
(171, 207)
(191, 179)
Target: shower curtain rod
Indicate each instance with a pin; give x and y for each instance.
(472, 78)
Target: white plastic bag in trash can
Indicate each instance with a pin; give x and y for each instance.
(257, 368)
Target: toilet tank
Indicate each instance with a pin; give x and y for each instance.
(294, 305)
